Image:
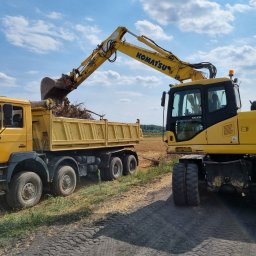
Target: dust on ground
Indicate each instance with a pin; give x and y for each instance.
(150, 149)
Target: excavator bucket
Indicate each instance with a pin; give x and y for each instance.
(55, 89)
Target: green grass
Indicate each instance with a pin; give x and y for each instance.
(54, 210)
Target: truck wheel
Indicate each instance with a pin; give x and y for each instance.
(193, 197)
(64, 181)
(179, 184)
(25, 190)
(115, 169)
(130, 165)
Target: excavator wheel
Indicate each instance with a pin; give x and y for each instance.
(193, 198)
(179, 184)
(185, 184)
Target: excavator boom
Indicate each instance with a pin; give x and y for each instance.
(158, 58)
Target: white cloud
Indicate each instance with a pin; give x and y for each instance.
(240, 57)
(89, 19)
(151, 30)
(200, 16)
(252, 3)
(54, 15)
(88, 33)
(35, 35)
(125, 100)
(33, 87)
(32, 72)
(148, 81)
(129, 93)
(239, 7)
(7, 81)
(112, 78)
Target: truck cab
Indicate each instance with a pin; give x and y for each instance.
(15, 127)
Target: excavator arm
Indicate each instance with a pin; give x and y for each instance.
(158, 58)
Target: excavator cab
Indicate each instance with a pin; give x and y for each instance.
(196, 106)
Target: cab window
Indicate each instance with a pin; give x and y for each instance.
(17, 118)
(237, 95)
(187, 103)
(217, 98)
(187, 112)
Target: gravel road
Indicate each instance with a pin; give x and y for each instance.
(156, 227)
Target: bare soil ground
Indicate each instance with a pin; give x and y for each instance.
(145, 222)
(149, 150)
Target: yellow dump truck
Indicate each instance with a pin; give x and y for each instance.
(39, 151)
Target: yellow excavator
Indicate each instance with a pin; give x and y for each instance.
(204, 122)
(158, 58)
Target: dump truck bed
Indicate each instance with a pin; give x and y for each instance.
(52, 133)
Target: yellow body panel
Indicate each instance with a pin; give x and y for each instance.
(13, 140)
(247, 128)
(202, 82)
(52, 133)
(41, 130)
(235, 135)
(223, 133)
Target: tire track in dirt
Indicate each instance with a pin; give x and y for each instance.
(154, 226)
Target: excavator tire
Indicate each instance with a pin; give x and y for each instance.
(179, 184)
(192, 189)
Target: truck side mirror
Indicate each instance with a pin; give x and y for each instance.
(163, 99)
(8, 112)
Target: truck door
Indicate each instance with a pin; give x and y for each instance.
(221, 115)
(13, 135)
(186, 114)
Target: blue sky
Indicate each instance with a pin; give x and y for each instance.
(48, 38)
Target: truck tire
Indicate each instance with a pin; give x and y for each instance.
(130, 165)
(25, 190)
(193, 198)
(115, 169)
(64, 181)
(179, 184)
